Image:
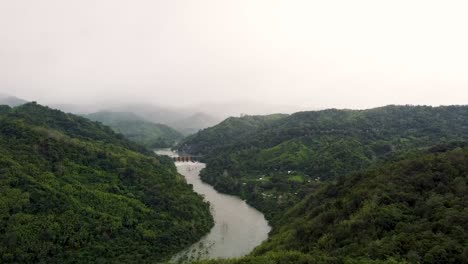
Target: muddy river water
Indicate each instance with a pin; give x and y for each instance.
(238, 228)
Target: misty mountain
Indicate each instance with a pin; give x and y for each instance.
(109, 117)
(248, 107)
(133, 127)
(10, 100)
(194, 123)
(185, 120)
(78, 109)
(151, 112)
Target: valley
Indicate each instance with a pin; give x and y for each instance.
(233, 132)
(238, 227)
(367, 175)
(384, 185)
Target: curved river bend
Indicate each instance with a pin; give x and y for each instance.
(238, 228)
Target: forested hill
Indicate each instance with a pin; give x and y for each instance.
(72, 125)
(410, 210)
(73, 191)
(148, 134)
(229, 132)
(133, 127)
(274, 164)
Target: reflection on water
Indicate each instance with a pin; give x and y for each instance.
(238, 229)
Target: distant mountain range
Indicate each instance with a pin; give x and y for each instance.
(193, 123)
(135, 128)
(149, 125)
(186, 121)
(11, 100)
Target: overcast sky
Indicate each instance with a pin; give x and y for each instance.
(353, 54)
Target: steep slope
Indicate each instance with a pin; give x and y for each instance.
(412, 210)
(274, 165)
(135, 129)
(73, 191)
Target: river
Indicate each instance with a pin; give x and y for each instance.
(238, 228)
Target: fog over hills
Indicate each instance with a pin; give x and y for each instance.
(338, 130)
(9, 100)
(186, 119)
(161, 112)
(344, 54)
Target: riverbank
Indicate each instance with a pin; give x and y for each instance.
(238, 229)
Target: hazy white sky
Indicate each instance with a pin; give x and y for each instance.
(309, 53)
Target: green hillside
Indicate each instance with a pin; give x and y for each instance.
(275, 164)
(134, 128)
(229, 132)
(412, 210)
(148, 134)
(73, 191)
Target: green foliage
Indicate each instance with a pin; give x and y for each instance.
(318, 145)
(145, 133)
(385, 185)
(74, 126)
(73, 191)
(148, 134)
(412, 210)
(230, 131)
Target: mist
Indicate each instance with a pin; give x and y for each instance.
(264, 55)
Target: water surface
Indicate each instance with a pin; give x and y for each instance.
(238, 228)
